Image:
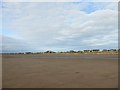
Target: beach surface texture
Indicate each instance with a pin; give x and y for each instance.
(60, 71)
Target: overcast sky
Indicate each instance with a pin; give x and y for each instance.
(59, 26)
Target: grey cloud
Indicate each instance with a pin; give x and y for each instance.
(10, 44)
(45, 26)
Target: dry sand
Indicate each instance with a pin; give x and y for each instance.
(24, 71)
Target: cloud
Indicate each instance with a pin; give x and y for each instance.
(10, 44)
(61, 0)
(60, 26)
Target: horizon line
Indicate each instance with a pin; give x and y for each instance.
(60, 51)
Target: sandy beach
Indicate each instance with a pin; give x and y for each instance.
(60, 71)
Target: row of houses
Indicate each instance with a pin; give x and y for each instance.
(98, 50)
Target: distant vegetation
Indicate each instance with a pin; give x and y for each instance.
(94, 51)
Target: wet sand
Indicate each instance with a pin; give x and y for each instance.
(59, 71)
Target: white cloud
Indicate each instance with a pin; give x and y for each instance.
(61, 0)
(61, 26)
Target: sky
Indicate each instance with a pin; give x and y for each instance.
(58, 26)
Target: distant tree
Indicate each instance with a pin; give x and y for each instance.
(95, 50)
(20, 53)
(86, 50)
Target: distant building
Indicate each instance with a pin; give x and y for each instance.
(72, 51)
(105, 50)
